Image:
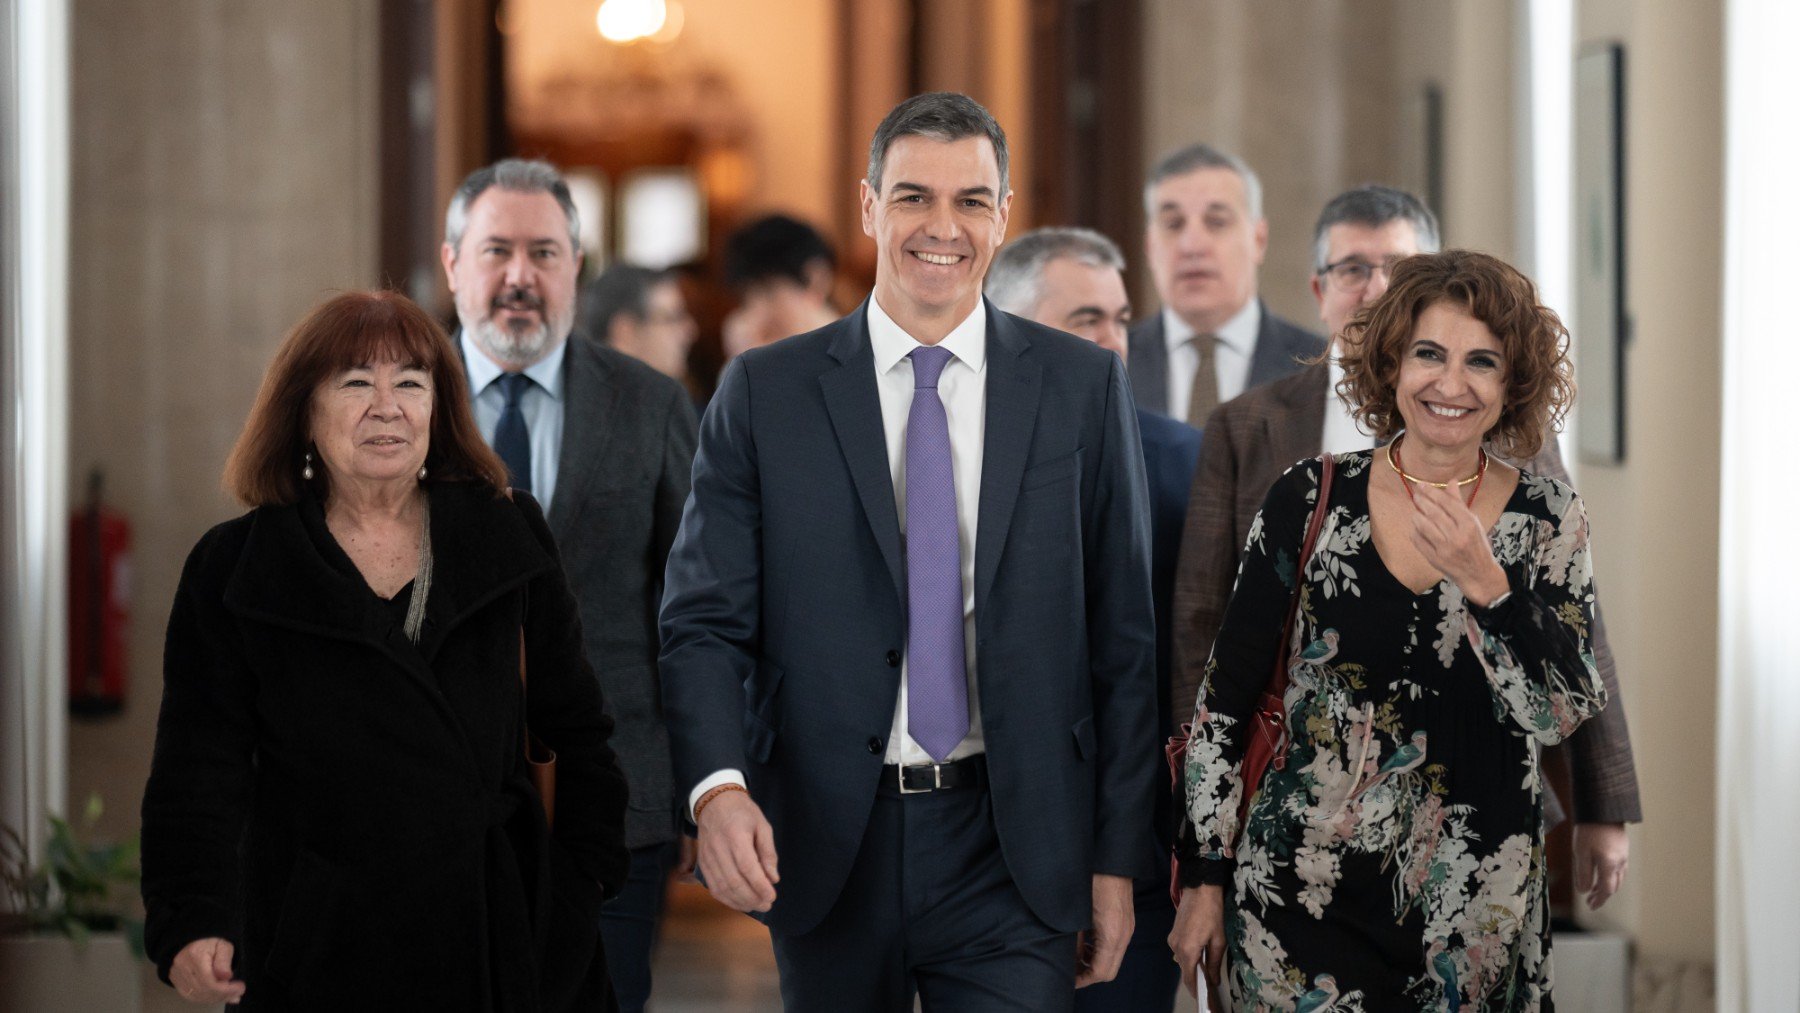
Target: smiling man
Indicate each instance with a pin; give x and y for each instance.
(1204, 238)
(908, 658)
(605, 443)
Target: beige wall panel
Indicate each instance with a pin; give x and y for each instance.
(1656, 518)
(224, 181)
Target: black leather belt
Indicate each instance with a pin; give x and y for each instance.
(967, 772)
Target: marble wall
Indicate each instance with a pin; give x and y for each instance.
(225, 160)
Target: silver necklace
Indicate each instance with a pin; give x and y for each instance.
(415, 609)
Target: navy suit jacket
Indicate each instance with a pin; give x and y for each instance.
(1280, 349)
(1171, 450)
(785, 610)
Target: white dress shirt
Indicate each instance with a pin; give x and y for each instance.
(1342, 435)
(542, 405)
(962, 387)
(1231, 356)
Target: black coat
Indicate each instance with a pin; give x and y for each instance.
(352, 810)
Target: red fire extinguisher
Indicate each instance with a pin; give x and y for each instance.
(99, 592)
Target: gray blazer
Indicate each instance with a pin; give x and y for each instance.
(622, 476)
(1279, 348)
(785, 615)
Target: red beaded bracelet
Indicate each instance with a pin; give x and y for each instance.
(713, 793)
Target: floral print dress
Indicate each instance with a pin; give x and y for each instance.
(1396, 860)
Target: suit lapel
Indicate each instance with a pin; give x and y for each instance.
(1266, 357)
(1295, 426)
(1014, 383)
(1148, 365)
(855, 409)
(590, 390)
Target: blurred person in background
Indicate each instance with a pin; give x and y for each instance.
(783, 271)
(1073, 280)
(642, 313)
(1204, 239)
(339, 813)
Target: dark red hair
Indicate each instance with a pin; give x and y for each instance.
(346, 331)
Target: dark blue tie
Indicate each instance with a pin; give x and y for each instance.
(512, 438)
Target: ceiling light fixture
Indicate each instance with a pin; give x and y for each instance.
(623, 21)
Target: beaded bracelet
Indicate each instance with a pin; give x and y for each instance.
(713, 793)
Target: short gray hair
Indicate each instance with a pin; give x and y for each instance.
(1195, 157)
(1015, 280)
(1374, 206)
(519, 175)
(942, 116)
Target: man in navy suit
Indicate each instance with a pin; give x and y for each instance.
(908, 653)
(1204, 240)
(1073, 280)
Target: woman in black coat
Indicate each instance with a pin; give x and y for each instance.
(339, 813)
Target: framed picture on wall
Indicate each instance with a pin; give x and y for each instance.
(1601, 327)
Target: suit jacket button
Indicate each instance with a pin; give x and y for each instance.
(874, 744)
(893, 659)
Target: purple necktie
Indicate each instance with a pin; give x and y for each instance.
(937, 685)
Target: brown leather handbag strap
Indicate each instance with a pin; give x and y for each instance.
(1278, 679)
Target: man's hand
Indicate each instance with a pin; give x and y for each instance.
(1099, 949)
(1198, 939)
(1601, 853)
(737, 852)
(201, 973)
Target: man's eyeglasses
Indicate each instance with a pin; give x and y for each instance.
(1352, 274)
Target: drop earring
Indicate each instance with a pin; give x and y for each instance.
(306, 472)
(421, 473)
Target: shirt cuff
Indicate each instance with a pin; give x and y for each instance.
(1203, 872)
(727, 776)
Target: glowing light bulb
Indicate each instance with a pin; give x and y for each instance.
(624, 21)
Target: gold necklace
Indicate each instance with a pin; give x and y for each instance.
(1480, 469)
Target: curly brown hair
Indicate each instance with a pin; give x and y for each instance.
(1540, 380)
(341, 333)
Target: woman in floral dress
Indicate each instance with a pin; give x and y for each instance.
(1395, 861)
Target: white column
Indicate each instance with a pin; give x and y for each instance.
(34, 331)
(1759, 556)
(1543, 131)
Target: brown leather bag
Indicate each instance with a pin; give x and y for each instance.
(1268, 725)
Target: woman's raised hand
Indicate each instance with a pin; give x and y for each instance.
(1450, 537)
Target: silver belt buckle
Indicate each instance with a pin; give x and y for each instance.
(937, 779)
